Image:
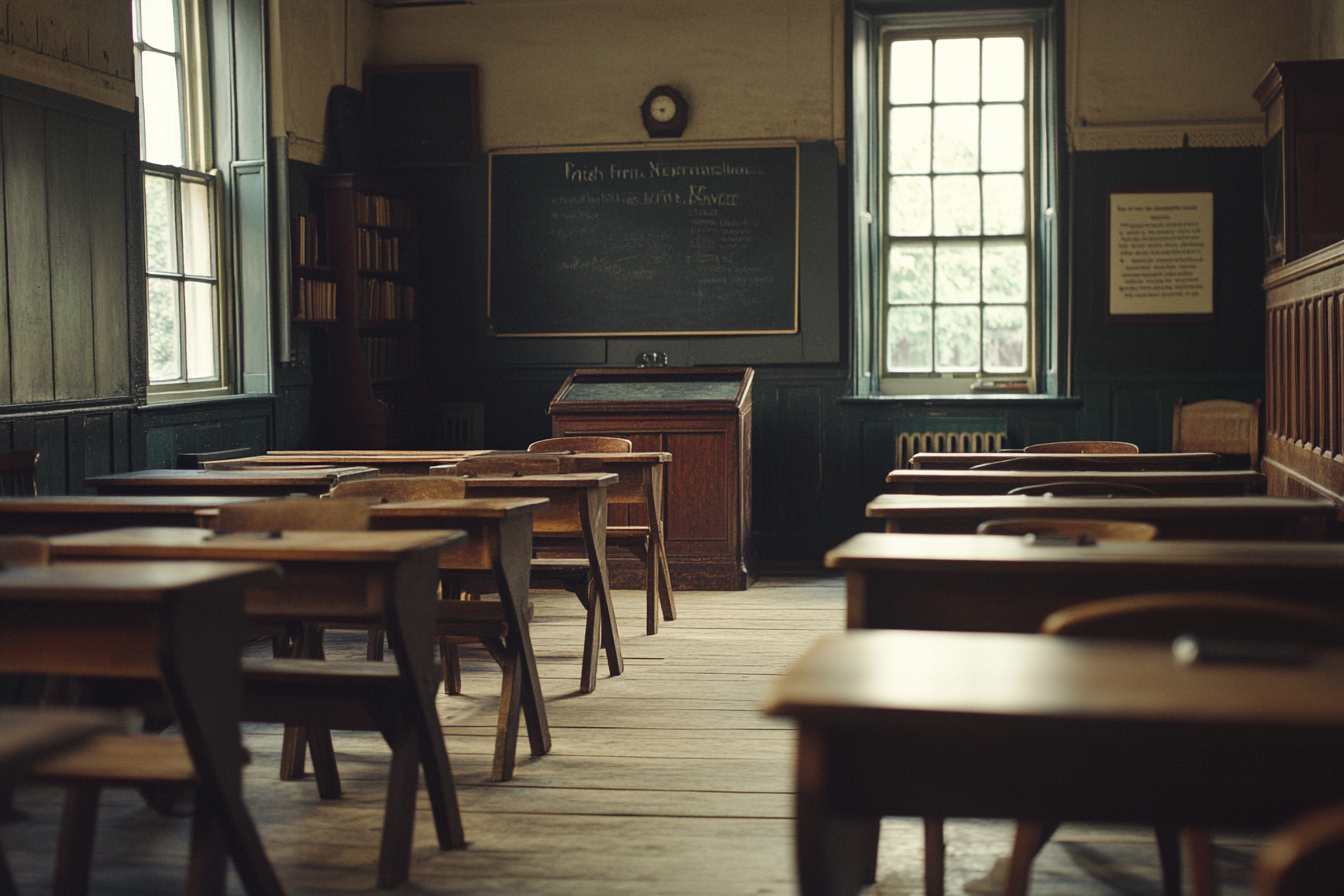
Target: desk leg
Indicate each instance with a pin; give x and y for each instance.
(653, 496)
(411, 633)
(837, 854)
(595, 541)
(511, 559)
(7, 887)
(201, 673)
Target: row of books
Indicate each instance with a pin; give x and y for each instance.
(303, 239)
(372, 210)
(314, 299)
(386, 356)
(385, 300)
(375, 252)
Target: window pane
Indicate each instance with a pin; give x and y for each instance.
(956, 70)
(958, 338)
(198, 244)
(165, 345)
(909, 137)
(1005, 339)
(911, 72)
(160, 224)
(1005, 69)
(958, 273)
(908, 339)
(202, 340)
(1005, 272)
(956, 205)
(909, 207)
(1005, 204)
(158, 24)
(160, 109)
(1003, 139)
(910, 273)
(955, 138)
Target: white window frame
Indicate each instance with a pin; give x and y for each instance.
(872, 32)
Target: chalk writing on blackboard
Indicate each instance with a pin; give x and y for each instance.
(644, 241)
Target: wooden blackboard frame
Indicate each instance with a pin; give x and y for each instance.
(493, 297)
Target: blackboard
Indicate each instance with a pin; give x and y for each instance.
(644, 242)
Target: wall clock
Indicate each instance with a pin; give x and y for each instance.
(664, 112)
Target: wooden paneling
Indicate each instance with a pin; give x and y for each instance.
(29, 252)
(69, 218)
(108, 255)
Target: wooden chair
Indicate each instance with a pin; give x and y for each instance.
(1046, 462)
(1066, 489)
(1088, 447)
(584, 445)
(1304, 857)
(1220, 425)
(18, 473)
(1163, 617)
(1097, 530)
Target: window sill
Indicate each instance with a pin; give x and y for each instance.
(186, 399)
(962, 400)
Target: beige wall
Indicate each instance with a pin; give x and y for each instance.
(81, 47)
(1327, 29)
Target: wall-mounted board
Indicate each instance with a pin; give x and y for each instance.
(644, 241)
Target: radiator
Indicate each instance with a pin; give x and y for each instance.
(908, 444)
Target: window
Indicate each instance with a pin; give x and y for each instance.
(956, 204)
(182, 199)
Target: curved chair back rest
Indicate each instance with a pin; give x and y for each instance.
(585, 445)
(396, 489)
(1067, 489)
(18, 473)
(1220, 425)
(313, 514)
(1215, 614)
(1097, 530)
(1062, 463)
(24, 550)
(1304, 857)
(508, 465)
(1083, 448)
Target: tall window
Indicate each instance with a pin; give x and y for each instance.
(182, 198)
(959, 202)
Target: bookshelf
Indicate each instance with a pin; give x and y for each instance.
(376, 391)
(314, 293)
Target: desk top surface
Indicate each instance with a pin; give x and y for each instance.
(557, 481)
(112, 504)
(296, 475)
(135, 581)
(164, 542)
(912, 506)
(926, 460)
(867, 677)
(1029, 477)
(31, 733)
(461, 508)
(1006, 553)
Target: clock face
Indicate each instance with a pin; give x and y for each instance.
(662, 108)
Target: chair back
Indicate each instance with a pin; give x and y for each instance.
(1220, 425)
(1091, 447)
(508, 465)
(1067, 489)
(295, 514)
(1046, 462)
(1213, 614)
(396, 489)
(18, 473)
(585, 445)
(1097, 530)
(24, 550)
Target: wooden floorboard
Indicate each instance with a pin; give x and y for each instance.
(666, 781)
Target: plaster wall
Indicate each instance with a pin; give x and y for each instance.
(1327, 29)
(80, 47)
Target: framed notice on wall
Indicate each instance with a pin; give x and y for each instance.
(1160, 256)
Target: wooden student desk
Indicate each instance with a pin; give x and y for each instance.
(180, 623)
(1167, 483)
(940, 724)
(63, 514)
(388, 579)
(388, 463)
(1183, 460)
(1000, 583)
(247, 483)
(1249, 517)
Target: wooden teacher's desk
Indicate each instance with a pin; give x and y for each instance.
(388, 579)
(1254, 517)
(1183, 460)
(63, 514)
(941, 724)
(250, 483)
(179, 623)
(1167, 483)
(1000, 583)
